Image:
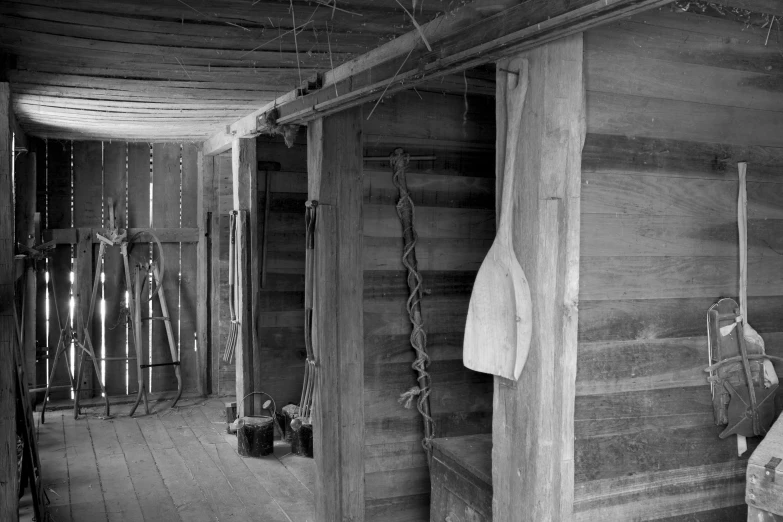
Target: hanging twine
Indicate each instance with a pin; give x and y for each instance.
(406, 212)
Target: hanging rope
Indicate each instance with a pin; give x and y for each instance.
(406, 212)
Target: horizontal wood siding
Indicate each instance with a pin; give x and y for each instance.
(280, 320)
(454, 217)
(280, 323)
(226, 384)
(674, 100)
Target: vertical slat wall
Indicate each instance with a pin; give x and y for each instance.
(87, 212)
(455, 221)
(675, 99)
(281, 302)
(59, 264)
(152, 186)
(139, 217)
(115, 179)
(38, 146)
(188, 266)
(166, 183)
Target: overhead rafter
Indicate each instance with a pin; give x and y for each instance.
(479, 32)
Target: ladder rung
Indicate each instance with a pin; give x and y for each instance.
(100, 358)
(155, 319)
(39, 390)
(142, 366)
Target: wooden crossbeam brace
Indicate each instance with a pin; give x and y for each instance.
(68, 236)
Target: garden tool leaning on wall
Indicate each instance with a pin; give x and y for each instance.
(742, 378)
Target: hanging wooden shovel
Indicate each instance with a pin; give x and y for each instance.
(500, 316)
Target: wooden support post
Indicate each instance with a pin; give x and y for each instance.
(115, 185)
(243, 167)
(25, 234)
(188, 336)
(334, 149)
(217, 346)
(533, 419)
(207, 206)
(83, 283)
(8, 484)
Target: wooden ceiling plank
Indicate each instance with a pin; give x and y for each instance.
(60, 80)
(159, 72)
(141, 107)
(181, 95)
(269, 40)
(772, 7)
(238, 11)
(725, 27)
(25, 43)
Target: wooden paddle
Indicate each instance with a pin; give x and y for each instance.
(500, 315)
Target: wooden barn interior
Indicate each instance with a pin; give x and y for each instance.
(491, 258)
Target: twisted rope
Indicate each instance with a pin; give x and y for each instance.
(406, 211)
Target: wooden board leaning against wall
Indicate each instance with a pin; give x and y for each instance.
(455, 221)
(80, 177)
(674, 100)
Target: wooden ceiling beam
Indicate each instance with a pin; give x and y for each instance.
(480, 32)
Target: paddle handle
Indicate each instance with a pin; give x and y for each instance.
(516, 92)
(742, 225)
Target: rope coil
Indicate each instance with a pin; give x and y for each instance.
(406, 211)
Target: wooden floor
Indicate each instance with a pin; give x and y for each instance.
(169, 466)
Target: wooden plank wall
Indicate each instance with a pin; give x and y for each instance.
(8, 481)
(455, 220)
(58, 215)
(674, 100)
(224, 374)
(80, 176)
(280, 321)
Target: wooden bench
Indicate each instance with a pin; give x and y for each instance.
(462, 479)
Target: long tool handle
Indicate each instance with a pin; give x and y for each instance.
(231, 268)
(516, 92)
(742, 225)
(265, 239)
